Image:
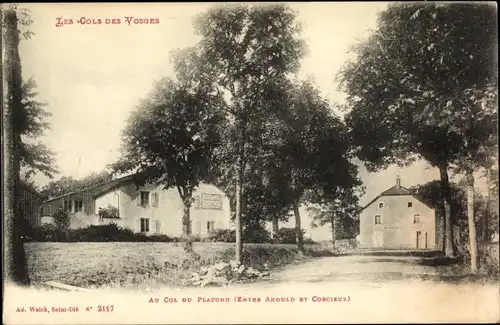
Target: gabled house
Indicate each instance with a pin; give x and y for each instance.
(398, 219)
(148, 209)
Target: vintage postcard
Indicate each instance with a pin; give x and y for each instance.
(260, 163)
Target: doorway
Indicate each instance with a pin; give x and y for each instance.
(419, 239)
(378, 239)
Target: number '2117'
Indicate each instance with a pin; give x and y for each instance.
(105, 308)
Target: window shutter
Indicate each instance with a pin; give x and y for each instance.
(158, 226)
(138, 198)
(197, 227)
(153, 226)
(154, 200)
(137, 225)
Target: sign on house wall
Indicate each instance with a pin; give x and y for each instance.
(208, 201)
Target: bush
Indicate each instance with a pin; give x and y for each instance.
(48, 232)
(286, 236)
(257, 235)
(104, 233)
(161, 238)
(196, 238)
(61, 220)
(222, 236)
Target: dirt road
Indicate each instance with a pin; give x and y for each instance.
(372, 269)
(385, 289)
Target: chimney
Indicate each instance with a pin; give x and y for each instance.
(398, 182)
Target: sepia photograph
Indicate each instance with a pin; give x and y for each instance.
(258, 163)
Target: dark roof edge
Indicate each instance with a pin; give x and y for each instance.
(118, 181)
(414, 195)
(123, 178)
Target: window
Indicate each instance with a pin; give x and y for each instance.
(41, 211)
(378, 219)
(381, 205)
(144, 198)
(68, 206)
(416, 218)
(410, 204)
(78, 205)
(144, 225)
(210, 225)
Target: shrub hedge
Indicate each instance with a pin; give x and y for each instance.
(284, 236)
(113, 232)
(104, 233)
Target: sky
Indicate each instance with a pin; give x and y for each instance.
(92, 76)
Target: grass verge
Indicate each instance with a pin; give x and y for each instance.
(144, 265)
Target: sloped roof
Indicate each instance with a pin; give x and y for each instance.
(108, 186)
(395, 190)
(399, 191)
(97, 190)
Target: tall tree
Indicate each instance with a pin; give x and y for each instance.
(340, 212)
(405, 78)
(171, 139)
(431, 193)
(262, 200)
(31, 118)
(475, 120)
(32, 123)
(16, 269)
(313, 162)
(243, 50)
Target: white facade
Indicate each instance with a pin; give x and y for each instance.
(153, 210)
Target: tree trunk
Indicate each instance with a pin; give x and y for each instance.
(186, 226)
(441, 231)
(298, 230)
(334, 235)
(239, 244)
(472, 223)
(446, 193)
(276, 226)
(485, 236)
(16, 268)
